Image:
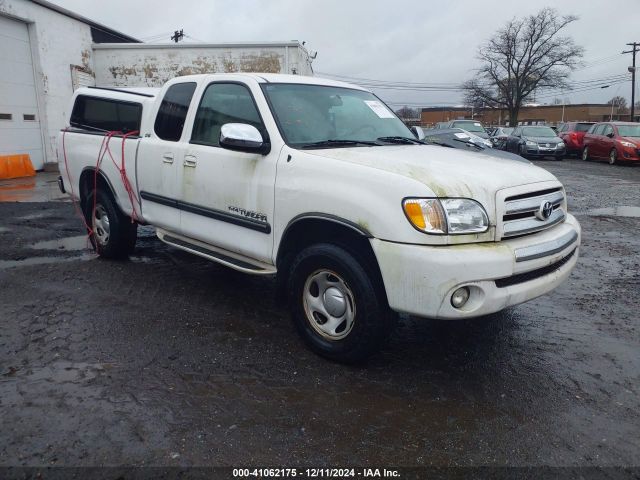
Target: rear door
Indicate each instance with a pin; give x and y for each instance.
(161, 156)
(228, 196)
(594, 141)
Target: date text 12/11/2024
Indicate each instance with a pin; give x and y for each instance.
(316, 472)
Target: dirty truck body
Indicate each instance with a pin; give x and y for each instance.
(318, 182)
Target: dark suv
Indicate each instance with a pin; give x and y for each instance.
(572, 133)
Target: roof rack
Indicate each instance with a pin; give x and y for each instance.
(124, 91)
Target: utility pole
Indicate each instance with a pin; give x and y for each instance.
(178, 35)
(632, 69)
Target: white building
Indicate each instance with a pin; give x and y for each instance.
(47, 51)
(151, 65)
(43, 48)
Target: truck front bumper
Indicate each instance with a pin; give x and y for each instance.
(421, 279)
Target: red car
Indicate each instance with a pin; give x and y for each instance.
(572, 134)
(614, 141)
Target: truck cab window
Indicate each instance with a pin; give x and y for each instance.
(105, 114)
(224, 103)
(173, 111)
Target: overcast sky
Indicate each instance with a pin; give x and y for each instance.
(400, 41)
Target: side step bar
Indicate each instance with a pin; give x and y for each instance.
(215, 254)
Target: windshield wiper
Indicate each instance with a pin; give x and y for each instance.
(469, 143)
(402, 140)
(440, 144)
(339, 143)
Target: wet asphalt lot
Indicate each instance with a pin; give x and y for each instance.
(167, 359)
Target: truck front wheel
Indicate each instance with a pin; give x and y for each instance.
(113, 234)
(335, 304)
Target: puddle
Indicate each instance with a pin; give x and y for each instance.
(41, 188)
(140, 259)
(69, 243)
(623, 211)
(33, 216)
(4, 264)
(61, 372)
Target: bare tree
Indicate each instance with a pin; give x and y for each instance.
(525, 55)
(620, 103)
(406, 113)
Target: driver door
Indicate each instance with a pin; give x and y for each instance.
(228, 196)
(606, 143)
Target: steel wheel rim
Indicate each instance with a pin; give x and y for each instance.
(613, 156)
(101, 226)
(329, 304)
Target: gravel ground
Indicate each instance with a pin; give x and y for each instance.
(167, 359)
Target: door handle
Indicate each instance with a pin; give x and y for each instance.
(190, 161)
(167, 157)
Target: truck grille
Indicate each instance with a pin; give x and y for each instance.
(524, 214)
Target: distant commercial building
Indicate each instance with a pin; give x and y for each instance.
(46, 52)
(530, 115)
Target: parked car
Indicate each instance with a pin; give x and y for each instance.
(612, 141)
(572, 134)
(472, 126)
(499, 137)
(317, 183)
(461, 139)
(536, 142)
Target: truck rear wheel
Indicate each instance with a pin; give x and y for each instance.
(114, 234)
(335, 304)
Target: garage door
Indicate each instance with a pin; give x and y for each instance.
(19, 119)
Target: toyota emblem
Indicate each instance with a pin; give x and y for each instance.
(545, 211)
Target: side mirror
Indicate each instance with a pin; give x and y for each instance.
(418, 132)
(610, 135)
(243, 137)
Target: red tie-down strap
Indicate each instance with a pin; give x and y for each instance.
(104, 150)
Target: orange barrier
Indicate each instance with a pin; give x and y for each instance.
(16, 166)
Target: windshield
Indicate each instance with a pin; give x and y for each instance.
(324, 115)
(469, 126)
(538, 132)
(583, 127)
(629, 130)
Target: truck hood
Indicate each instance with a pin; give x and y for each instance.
(448, 172)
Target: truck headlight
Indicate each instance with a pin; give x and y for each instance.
(446, 216)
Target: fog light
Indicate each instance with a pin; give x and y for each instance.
(460, 297)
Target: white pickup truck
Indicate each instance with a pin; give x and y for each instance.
(320, 183)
